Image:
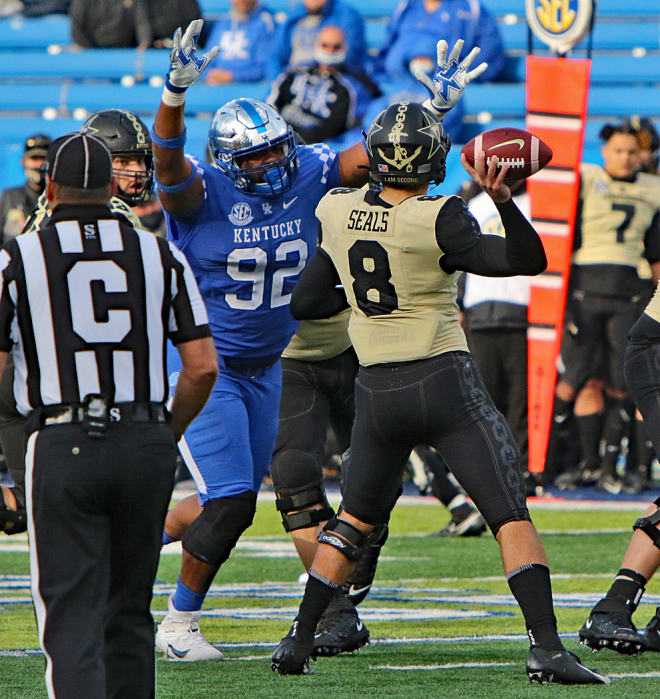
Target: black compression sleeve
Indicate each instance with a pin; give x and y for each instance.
(316, 294)
(520, 252)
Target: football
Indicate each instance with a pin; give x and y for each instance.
(523, 152)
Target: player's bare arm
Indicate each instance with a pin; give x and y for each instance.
(180, 188)
(198, 374)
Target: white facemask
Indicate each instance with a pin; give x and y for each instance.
(329, 58)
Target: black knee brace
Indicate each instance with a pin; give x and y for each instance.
(298, 501)
(649, 526)
(344, 537)
(214, 533)
(12, 521)
(298, 484)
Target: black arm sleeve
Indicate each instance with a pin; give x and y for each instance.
(465, 248)
(316, 294)
(652, 240)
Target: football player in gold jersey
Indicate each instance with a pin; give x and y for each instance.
(617, 226)
(610, 623)
(398, 255)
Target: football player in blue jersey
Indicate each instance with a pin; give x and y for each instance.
(247, 225)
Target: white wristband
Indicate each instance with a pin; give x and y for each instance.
(428, 104)
(173, 99)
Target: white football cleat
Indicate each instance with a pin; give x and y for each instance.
(179, 637)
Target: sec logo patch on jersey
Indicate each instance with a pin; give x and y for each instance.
(241, 214)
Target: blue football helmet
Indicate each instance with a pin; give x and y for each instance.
(247, 126)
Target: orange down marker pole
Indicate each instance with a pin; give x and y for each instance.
(557, 91)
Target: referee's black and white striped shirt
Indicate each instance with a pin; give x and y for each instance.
(89, 303)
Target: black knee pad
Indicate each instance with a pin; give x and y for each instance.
(343, 536)
(518, 515)
(214, 533)
(648, 525)
(297, 480)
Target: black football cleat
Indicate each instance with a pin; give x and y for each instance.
(651, 634)
(340, 630)
(614, 631)
(291, 657)
(561, 667)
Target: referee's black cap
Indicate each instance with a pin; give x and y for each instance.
(79, 160)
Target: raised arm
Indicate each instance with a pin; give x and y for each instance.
(446, 89)
(180, 188)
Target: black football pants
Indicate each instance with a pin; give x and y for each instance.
(96, 509)
(439, 401)
(501, 356)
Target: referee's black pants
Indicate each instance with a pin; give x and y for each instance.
(96, 509)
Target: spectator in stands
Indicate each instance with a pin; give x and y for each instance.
(406, 88)
(416, 20)
(244, 37)
(142, 23)
(16, 203)
(296, 39)
(327, 97)
(648, 141)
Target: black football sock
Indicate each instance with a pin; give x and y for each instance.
(624, 594)
(589, 429)
(561, 410)
(644, 448)
(530, 585)
(318, 593)
(617, 424)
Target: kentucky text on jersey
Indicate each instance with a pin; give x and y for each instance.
(270, 232)
(247, 253)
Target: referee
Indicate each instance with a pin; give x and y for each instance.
(88, 303)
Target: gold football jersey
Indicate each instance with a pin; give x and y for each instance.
(316, 340)
(653, 307)
(403, 305)
(615, 216)
(42, 211)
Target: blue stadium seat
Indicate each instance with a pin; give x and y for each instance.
(609, 36)
(604, 69)
(110, 64)
(34, 32)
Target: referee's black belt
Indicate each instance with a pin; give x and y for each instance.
(117, 413)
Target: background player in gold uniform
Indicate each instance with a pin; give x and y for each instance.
(617, 226)
(398, 255)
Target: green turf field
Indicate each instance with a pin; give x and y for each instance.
(442, 621)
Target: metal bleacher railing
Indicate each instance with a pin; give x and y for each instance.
(46, 86)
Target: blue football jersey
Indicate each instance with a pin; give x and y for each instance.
(247, 252)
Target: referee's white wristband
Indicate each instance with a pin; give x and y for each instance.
(173, 99)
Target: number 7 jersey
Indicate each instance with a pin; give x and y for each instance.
(247, 252)
(387, 257)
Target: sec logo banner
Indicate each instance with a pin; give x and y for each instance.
(560, 24)
(241, 214)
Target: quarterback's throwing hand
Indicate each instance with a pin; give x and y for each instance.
(446, 86)
(488, 178)
(185, 65)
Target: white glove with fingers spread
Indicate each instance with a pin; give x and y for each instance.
(446, 86)
(185, 65)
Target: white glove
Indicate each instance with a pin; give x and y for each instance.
(185, 65)
(448, 83)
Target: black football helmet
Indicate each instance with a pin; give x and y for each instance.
(124, 133)
(407, 145)
(648, 139)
